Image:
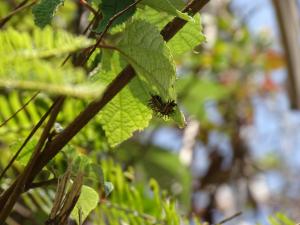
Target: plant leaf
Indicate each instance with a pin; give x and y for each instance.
(185, 40)
(147, 52)
(44, 11)
(110, 8)
(22, 65)
(127, 111)
(87, 201)
(168, 7)
(41, 44)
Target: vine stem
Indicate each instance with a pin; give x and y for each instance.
(88, 6)
(229, 218)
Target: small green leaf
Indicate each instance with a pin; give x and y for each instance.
(110, 8)
(108, 188)
(44, 11)
(168, 7)
(92, 171)
(87, 201)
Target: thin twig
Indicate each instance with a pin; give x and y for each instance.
(17, 10)
(88, 6)
(84, 32)
(229, 218)
(110, 22)
(19, 110)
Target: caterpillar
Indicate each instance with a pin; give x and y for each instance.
(161, 108)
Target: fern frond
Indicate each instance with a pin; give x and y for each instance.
(40, 44)
(22, 64)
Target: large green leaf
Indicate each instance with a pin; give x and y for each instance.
(127, 111)
(168, 7)
(87, 201)
(185, 40)
(111, 7)
(44, 11)
(147, 52)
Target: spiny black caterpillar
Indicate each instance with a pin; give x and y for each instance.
(161, 108)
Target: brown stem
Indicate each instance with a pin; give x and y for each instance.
(88, 6)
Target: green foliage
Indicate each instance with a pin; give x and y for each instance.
(186, 40)
(190, 36)
(111, 7)
(44, 11)
(147, 52)
(131, 203)
(32, 60)
(168, 7)
(87, 202)
(200, 91)
(24, 65)
(127, 112)
(39, 44)
(26, 153)
(10, 102)
(280, 219)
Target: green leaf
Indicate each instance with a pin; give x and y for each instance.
(44, 11)
(87, 201)
(108, 188)
(27, 151)
(110, 8)
(168, 7)
(187, 38)
(22, 66)
(48, 78)
(92, 171)
(40, 44)
(147, 52)
(127, 111)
